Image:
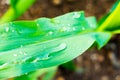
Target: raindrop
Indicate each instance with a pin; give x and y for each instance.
(83, 28)
(50, 33)
(24, 53)
(62, 46)
(38, 25)
(26, 73)
(15, 55)
(68, 25)
(2, 66)
(64, 29)
(15, 62)
(74, 28)
(37, 59)
(76, 15)
(21, 52)
(13, 30)
(6, 29)
(45, 58)
(21, 46)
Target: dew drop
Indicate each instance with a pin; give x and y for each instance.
(50, 33)
(45, 58)
(64, 29)
(21, 46)
(7, 29)
(13, 30)
(26, 73)
(25, 53)
(37, 59)
(76, 15)
(62, 46)
(21, 52)
(2, 66)
(83, 28)
(38, 25)
(68, 25)
(15, 55)
(74, 28)
(15, 62)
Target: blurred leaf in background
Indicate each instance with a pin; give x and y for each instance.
(46, 74)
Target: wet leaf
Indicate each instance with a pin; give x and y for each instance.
(30, 45)
(17, 34)
(44, 54)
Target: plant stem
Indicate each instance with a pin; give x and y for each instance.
(14, 13)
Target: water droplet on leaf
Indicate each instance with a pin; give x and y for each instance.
(7, 29)
(50, 33)
(14, 54)
(3, 65)
(62, 46)
(37, 59)
(83, 28)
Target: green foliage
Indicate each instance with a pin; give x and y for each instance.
(17, 9)
(27, 32)
(47, 73)
(44, 54)
(45, 42)
(27, 46)
(111, 21)
(13, 3)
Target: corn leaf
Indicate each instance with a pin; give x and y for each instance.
(111, 21)
(16, 34)
(17, 9)
(30, 45)
(13, 3)
(44, 54)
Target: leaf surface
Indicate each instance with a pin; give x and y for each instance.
(30, 45)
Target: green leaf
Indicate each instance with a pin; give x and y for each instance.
(112, 20)
(35, 74)
(114, 6)
(19, 7)
(40, 55)
(44, 54)
(49, 75)
(30, 45)
(92, 22)
(102, 38)
(14, 2)
(17, 34)
(116, 31)
(69, 66)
